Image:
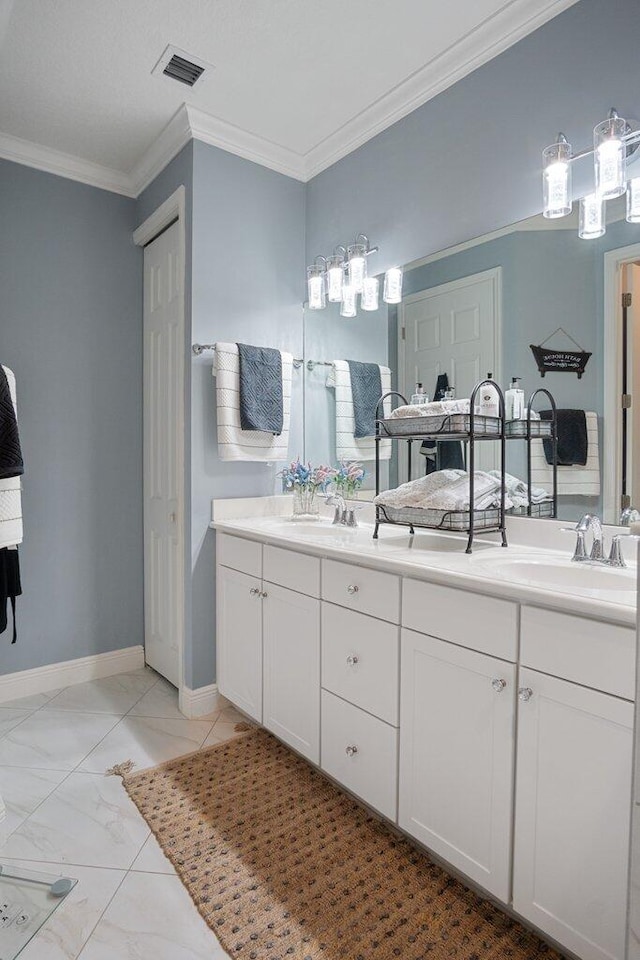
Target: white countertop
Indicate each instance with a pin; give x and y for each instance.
(440, 558)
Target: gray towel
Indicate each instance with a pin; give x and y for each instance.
(366, 390)
(573, 445)
(261, 405)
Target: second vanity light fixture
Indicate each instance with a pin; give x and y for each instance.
(343, 277)
(613, 141)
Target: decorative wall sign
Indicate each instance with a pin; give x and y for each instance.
(560, 361)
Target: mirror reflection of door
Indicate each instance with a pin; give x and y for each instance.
(454, 329)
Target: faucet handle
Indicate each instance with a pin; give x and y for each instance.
(616, 558)
(580, 552)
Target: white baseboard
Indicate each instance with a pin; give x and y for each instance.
(25, 683)
(199, 702)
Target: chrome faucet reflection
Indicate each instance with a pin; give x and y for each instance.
(591, 522)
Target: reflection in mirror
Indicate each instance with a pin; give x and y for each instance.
(477, 308)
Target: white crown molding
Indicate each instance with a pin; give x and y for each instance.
(26, 683)
(64, 165)
(162, 151)
(228, 137)
(482, 44)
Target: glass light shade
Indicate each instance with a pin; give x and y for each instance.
(348, 306)
(633, 201)
(592, 223)
(316, 287)
(556, 179)
(356, 255)
(392, 291)
(335, 276)
(610, 157)
(370, 297)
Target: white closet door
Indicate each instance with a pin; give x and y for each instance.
(163, 454)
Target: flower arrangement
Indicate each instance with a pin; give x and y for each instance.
(348, 478)
(300, 476)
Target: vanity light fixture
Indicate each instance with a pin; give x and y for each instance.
(614, 140)
(335, 275)
(370, 297)
(348, 306)
(392, 291)
(343, 276)
(316, 280)
(357, 260)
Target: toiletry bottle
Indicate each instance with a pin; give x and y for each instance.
(514, 401)
(419, 397)
(489, 405)
(450, 393)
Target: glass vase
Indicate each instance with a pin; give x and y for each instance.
(305, 504)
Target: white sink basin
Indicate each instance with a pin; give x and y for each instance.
(565, 576)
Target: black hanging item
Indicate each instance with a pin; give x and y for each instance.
(10, 586)
(560, 361)
(442, 454)
(11, 464)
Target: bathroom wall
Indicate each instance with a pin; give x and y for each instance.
(70, 329)
(468, 161)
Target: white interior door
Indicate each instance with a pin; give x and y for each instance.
(163, 454)
(453, 329)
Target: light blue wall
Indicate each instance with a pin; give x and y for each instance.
(248, 282)
(468, 161)
(70, 309)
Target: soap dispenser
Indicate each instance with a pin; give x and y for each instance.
(514, 401)
(489, 405)
(419, 397)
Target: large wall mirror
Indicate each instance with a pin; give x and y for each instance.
(477, 308)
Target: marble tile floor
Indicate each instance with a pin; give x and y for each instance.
(65, 817)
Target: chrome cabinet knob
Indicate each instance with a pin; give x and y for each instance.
(254, 592)
(525, 694)
(352, 588)
(264, 594)
(498, 684)
(351, 750)
(352, 660)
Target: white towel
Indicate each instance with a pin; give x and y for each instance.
(347, 446)
(234, 443)
(416, 493)
(436, 408)
(576, 481)
(518, 493)
(456, 495)
(10, 492)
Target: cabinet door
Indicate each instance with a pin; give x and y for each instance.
(239, 640)
(291, 634)
(573, 792)
(457, 729)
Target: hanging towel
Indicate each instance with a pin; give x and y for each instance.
(442, 454)
(348, 446)
(572, 438)
(366, 390)
(260, 389)
(577, 481)
(10, 587)
(11, 464)
(234, 443)
(10, 487)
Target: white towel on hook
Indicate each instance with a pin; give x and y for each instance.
(234, 443)
(576, 480)
(348, 447)
(10, 491)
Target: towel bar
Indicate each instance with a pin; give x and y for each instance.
(199, 348)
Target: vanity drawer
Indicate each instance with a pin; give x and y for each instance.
(371, 682)
(239, 554)
(297, 571)
(589, 652)
(369, 591)
(469, 619)
(371, 769)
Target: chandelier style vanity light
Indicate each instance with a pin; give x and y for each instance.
(614, 141)
(343, 277)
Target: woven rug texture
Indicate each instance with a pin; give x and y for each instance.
(283, 865)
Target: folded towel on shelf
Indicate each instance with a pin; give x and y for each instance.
(436, 408)
(234, 443)
(416, 493)
(366, 390)
(578, 481)
(348, 446)
(573, 444)
(518, 492)
(10, 485)
(260, 389)
(456, 496)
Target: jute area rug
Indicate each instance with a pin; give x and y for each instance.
(283, 865)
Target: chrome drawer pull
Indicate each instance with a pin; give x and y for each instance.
(264, 594)
(525, 694)
(351, 750)
(498, 684)
(352, 588)
(254, 592)
(352, 661)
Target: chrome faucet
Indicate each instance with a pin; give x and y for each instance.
(591, 522)
(628, 516)
(344, 515)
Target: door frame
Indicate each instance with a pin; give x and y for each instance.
(614, 260)
(173, 210)
(495, 275)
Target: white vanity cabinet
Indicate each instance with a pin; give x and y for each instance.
(457, 728)
(572, 811)
(239, 639)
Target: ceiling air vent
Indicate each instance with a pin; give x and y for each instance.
(182, 66)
